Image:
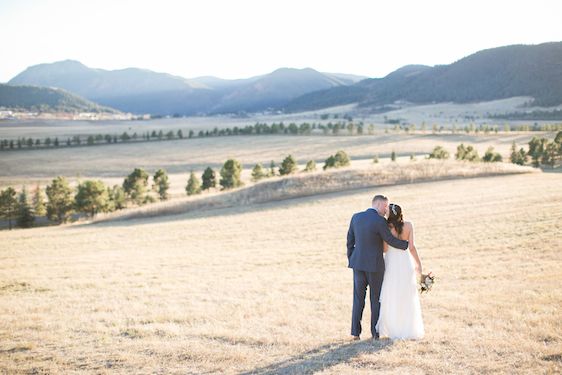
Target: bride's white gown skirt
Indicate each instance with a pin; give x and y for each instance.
(400, 313)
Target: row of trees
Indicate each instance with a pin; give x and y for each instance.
(473, 128)
(60, 201)
(90, 140)
(305, 128)
(540, 151)
(231, 171)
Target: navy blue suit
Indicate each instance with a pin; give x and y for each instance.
(365, 237)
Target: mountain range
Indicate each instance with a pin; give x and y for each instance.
(144, 91)
(497, 73)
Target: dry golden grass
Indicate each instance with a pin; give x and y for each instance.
(360, 174)
(112, 163)
(265, 289)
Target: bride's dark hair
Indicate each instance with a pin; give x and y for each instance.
(395, 217)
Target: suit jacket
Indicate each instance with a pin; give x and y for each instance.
(366, 233)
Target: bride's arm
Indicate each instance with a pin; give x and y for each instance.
(413, 249)
(384, 247)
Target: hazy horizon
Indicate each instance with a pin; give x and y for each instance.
(249, 38)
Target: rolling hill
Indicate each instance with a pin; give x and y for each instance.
(42, 99)
(497, 73)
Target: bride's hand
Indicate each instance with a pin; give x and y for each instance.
(418, 270)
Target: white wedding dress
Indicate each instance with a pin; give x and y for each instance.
(400, 312)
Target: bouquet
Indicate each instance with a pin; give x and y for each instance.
(426, 282)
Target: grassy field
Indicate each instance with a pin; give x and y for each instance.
(113, 163)
(264, 288)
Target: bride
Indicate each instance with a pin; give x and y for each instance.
(400, 312)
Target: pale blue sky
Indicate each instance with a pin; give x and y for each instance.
(242, 38)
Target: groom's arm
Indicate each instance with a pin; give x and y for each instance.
(350, 239)
(389, 238)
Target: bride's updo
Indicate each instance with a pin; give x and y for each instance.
(395, 217)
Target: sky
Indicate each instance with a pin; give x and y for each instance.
(243, 38)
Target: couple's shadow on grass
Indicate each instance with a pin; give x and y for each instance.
(321, 358)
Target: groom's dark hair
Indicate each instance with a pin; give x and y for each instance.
(379, 197)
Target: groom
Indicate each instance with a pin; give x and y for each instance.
(367, 231)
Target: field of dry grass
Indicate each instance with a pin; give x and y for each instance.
(113, 163)
(264, 288)
(362, 174)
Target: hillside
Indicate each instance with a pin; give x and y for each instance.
(265, 288)
(497, 73)
(144, 91)
(310, 184)
(41, 99)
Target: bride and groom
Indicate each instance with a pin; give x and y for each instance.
(392, 278)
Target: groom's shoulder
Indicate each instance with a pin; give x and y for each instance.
(361, 215)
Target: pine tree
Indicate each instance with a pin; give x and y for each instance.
(310, 166)
(61, 200)
(536, 150)
(161, 184)
(8, 205)
(258, 172)
(25, 217)
(39, 202)
(393, 156)
(135, 186)
(209, 178)
(550, 154)
(117, 198)
(517, 157)
(272, 169)
(92, 197)
(288, 166)
(230, 174)
(193, 185)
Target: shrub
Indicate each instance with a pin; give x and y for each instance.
(439, 153)
(491, 157)
(340, 159)
(310, 166)
(468, 153)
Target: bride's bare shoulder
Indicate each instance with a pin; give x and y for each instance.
(408, 227)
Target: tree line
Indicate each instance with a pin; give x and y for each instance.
(541, 151)
(59, 201)
(305, 128)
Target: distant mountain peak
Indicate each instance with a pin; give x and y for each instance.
(491, 74)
